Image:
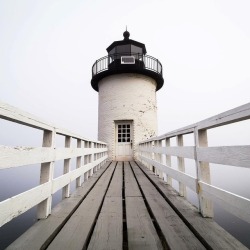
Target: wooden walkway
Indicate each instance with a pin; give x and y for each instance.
(125, 206)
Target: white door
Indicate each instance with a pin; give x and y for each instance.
(124, 143)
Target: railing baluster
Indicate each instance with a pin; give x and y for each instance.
(66, 189)
(168, 161)
(181, 166)
(203, 173)
(46, 175)
(79, 163)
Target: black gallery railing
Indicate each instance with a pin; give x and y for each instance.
(113, 62)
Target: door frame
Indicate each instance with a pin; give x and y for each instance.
(118, 122)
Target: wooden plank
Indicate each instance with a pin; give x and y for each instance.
(176, 233)
(231, 116)
(181, 131)
(75, 233)
(131, 186)
(235, 204)
(181, 166)
(108, 232)
(65, 132)
(186, 152)
(238, 156)
(213, 236)
(43, 231)
(20, 156)
(168, 162)
(66, 170)
(141, 231)
(115, 188)
(65, 153)
(16, 205)
(203, 173)
(10, 113)
(63, 180)
(186, 179)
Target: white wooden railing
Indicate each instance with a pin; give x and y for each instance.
(156, 155)
(90, 156)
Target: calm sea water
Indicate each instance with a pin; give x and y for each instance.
(17, 180)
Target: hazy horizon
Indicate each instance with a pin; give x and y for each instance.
(48, 49)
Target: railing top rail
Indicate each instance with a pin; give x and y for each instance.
(13, 114)
(231, 116)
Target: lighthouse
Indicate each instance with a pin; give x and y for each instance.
(127, 80)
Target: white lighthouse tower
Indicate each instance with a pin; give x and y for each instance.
(127, 80)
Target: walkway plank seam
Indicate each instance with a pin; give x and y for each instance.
(206, 229)
(140, 229)
(43, 231)
(108, 230)
(75, 234)
(125, 206)
(176, 233)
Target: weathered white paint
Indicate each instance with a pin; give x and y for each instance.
(186, 179)
(46, 175)
(168, 160)
(129, 97)
(181, 166)
(66, 169)
(238, 156)
(185, 151)
(230, 155)
(235, 204)
(79, 163)
(203, 173)
(16, 205)
(20, 156)
(231, 116)
(46, 155)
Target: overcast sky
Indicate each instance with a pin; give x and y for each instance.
(47, 49)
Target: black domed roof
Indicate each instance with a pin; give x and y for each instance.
(125, 41)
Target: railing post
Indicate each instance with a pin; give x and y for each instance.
(168, 162)
(203, 173)
(181, 166)
(158, 144)
(160, 159)
(152, 156)
(46, 175)
(91, 157)
(66, 189)
(79, 163)
(141, 152)
(148, 154)
(86, 174)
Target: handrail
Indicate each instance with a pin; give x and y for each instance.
(156, 155)
(148, 62)
(90, 156)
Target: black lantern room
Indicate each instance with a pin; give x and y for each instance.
(127, 56)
